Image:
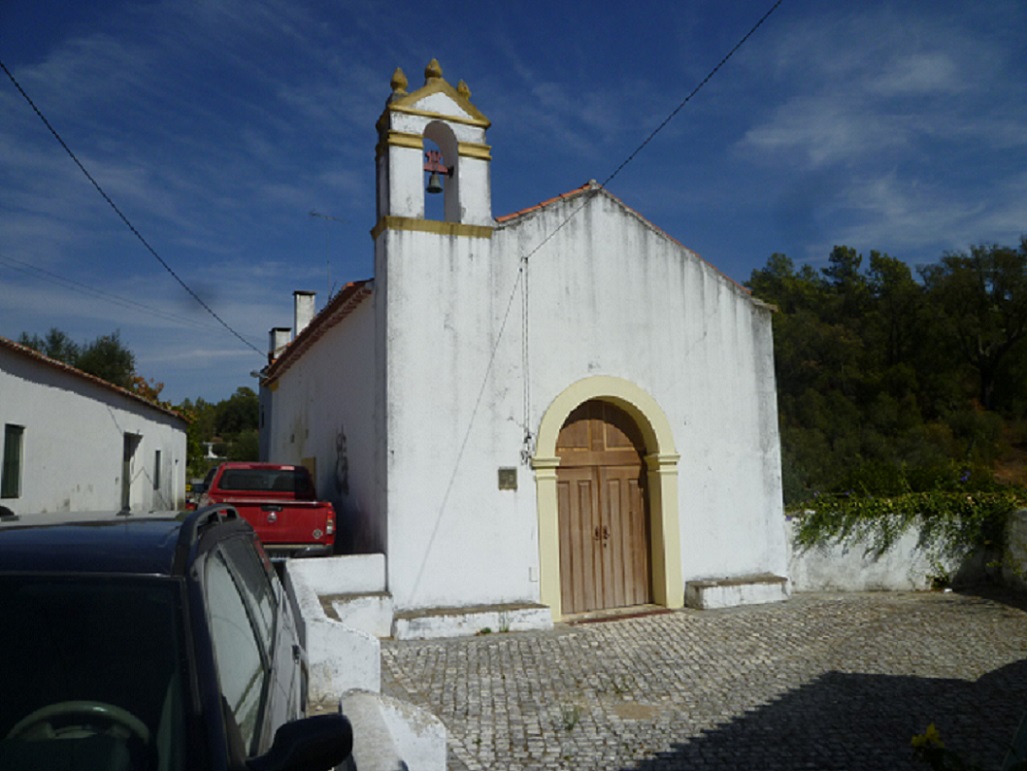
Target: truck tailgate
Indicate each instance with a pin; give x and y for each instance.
(288, 522)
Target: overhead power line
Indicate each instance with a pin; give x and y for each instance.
(693, 92)
(122, 216)
(198, 322)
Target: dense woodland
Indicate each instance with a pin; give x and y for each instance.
(890, 381)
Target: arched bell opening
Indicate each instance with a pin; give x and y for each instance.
(442, 172)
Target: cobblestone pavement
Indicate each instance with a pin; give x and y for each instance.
(823, 681)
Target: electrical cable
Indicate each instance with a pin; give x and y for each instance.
(75, 286)
(694, 91)
(122, 216)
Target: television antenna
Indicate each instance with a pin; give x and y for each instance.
(328, 265)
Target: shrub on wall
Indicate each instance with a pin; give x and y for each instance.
(951, 525)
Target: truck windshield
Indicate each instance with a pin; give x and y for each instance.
(267, 480)
(92, 671)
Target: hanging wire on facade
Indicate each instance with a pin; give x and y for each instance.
(528, 444)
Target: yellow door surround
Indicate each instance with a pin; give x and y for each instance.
(662, 462)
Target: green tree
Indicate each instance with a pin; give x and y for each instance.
(57, 345)
(978, 301)
(897, 308)
(200, 416)
(106, 357)
(232, 423)
(109, 360)
(246, 445)
(241, 411)
(873, 392)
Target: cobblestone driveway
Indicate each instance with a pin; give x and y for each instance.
(820, 682)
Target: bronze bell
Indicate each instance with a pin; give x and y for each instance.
(434, 183)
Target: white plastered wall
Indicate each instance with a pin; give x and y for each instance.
(73, 443)
(608, 295)
(455, 538)
(611, 295)
(324, 407)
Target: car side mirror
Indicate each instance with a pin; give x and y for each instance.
(319, 742)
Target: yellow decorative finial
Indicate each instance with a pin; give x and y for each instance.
(399, 82)
(463, 89)
(432, 71)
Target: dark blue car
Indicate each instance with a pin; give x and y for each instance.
(142, 642)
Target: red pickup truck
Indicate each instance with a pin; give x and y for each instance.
(279, 502)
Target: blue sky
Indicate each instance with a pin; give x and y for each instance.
(217, 127)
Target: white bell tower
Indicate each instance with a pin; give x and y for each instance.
(434, 325)
(444, 115)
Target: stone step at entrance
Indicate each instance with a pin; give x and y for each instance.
(731, 592)
(424, 624)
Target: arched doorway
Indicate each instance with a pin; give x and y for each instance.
(601, 499)
(661, 485)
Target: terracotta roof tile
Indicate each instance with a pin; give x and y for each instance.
(590, 185)
(31, 353)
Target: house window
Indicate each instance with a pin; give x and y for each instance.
(156, 470)
(10, 476)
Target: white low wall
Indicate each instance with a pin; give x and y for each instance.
(389, 734)
(906, 566)
(340, 658)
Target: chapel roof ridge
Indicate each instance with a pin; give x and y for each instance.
(593, 185)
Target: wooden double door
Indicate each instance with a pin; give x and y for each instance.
(604, 522)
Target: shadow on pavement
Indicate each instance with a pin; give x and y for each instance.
(999, 594)
(850, 722)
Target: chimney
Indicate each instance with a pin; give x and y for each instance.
(303, 309)
(277, 340)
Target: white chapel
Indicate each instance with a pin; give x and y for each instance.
(561, 410)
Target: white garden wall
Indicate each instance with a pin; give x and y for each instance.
(906, 566)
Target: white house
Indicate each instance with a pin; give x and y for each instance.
(561, 407)
(73, 442)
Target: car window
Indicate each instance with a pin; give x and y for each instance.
(255, 585)
(239, 654)
(91, 660)
(285, 480)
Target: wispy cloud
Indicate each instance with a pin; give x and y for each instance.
(888, 119)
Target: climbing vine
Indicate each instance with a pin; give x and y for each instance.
(951, 524)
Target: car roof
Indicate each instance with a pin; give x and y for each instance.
(97, 543)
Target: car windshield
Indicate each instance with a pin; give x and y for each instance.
(92, 673)
(277, 480)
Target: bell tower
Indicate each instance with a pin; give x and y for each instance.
(460, 166)
(434, 298)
